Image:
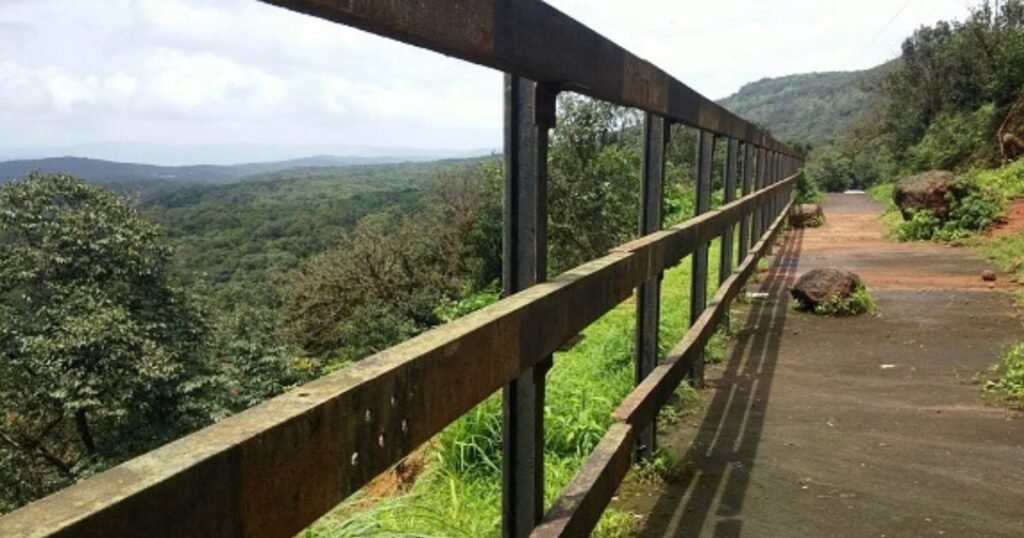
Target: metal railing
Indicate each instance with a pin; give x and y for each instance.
(274, 469)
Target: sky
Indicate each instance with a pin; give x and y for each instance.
(225, 81)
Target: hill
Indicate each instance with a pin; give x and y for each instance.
(151, 184)
(811, 108)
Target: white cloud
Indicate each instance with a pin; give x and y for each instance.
(209, 71)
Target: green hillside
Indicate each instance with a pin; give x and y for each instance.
(811, 108)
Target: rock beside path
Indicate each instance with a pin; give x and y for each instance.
(927, 191)
(807, 216)
(820, 286)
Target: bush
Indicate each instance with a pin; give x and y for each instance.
(859, 302)
(807, 191)
(953, 139)
(972, 210)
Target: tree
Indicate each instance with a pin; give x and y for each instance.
(99, 344)
(384, 281)
(594, 185)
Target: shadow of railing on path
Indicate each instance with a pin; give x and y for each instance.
(723, 452)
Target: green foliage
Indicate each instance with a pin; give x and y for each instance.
(253, 364)
(838, 168)
(810, 108)
(1007, 182)
(807, 191)
(1011, 378)
(243, 236)
(952, 139)
(972, 210)
(661, 467)
(99, 343)
(857, 303)
(1007, 252)
(594, 180)
(922, 226)
(947, 94)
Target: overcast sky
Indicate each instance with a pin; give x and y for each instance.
(239, 77)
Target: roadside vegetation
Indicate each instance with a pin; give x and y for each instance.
(858, 302)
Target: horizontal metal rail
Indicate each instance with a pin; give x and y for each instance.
(579, 508)
(272, 470)
(534, 40)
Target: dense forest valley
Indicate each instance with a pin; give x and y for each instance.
(143, 303)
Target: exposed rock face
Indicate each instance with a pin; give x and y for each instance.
(819, 286)
(807, 216)
(925, 191)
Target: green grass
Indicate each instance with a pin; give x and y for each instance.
(1010, 382)
(1007, 181)
(1007, 253)
(459, 493)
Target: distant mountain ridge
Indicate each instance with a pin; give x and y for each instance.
(111, 172)
(810, 108)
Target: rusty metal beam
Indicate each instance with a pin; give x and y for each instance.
(531, 39)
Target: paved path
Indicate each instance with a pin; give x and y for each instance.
(868, 426)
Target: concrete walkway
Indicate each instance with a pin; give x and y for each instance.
(868, 426)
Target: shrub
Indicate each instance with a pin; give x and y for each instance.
(859, 302)
(972, 209)
(953, 139)
(807, 191)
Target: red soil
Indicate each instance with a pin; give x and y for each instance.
(1014, 221)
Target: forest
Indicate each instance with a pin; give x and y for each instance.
(132, 313)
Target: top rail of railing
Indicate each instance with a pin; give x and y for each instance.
(531, 39)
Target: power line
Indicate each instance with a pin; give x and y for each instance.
(885, 27)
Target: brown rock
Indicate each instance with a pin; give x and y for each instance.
(807, 216)
(927, 191)
(988, 275)
(822, 285)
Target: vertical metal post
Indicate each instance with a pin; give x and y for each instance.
(725, 258)
(699, 275)
(648, 294)
(759, 184)
(748, 185)
(772, 178)
(731, 153)
(529, 114)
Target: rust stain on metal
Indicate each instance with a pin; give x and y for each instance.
(645, 84)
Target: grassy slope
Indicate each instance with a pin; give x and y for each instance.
(460, 495)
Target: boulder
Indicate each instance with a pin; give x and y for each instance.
(819, 286)
(925, 191)
(806, 216)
